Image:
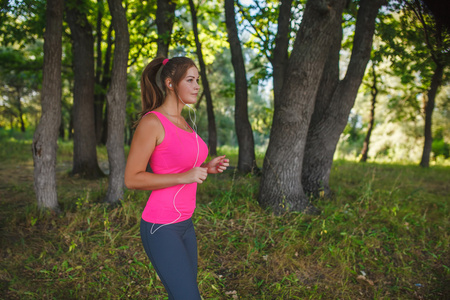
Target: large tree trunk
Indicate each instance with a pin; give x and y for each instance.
(117, 98)
(46, 134)
(246, 161)
(84, 143)
(165, 16)
(280, 187)
(436, 81)
(374, 93)
(280, 52)
(212, 131)
(333, 106)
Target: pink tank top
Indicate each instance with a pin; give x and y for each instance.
(177, 153)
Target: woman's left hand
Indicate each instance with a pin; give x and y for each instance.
(218, 165)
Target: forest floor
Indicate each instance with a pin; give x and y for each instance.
(384, 235)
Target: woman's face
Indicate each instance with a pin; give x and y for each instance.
(188, 87)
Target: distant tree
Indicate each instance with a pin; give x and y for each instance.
(102, 74)
(165, 17)
(436, 38)
(281, 187)
(104, 85)
(14, 88)
(246, 160)
(212, 131)
(84, 142)
(20, 78)
(373, 93)
(117, 98)
(46, 135)
(335, 98)
(419, 48)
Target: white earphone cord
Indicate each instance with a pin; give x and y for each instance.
(196, 160)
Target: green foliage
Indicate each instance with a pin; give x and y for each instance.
(22, 22)
(142, 30)
(412, 45)
(383, 235)
(20, 77)
(439, 147)
(260, 20)
(352, 137)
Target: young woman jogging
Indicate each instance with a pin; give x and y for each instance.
(176, 155)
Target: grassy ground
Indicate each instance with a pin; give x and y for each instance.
(385, 235)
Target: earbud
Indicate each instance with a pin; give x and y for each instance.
(170, 84)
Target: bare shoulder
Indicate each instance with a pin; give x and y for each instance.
(151, 125)
(149, 121)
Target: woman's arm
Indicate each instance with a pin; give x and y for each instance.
(150, 133)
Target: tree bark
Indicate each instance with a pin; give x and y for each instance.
(46, 134)
(244, 132)
(280, 187)
(374, 93)
(436, 81)
(165, 16)
(279, 57)
(212, 131)
(333, 106)
(117, 98)
(84, 143)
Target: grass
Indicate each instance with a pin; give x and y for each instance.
(384, 235)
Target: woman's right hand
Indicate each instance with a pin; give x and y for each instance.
(197, 174)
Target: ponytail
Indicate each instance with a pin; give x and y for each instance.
(152, 95)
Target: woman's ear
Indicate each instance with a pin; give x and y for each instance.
(169, 84)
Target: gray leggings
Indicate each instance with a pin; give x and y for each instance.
(172, 249)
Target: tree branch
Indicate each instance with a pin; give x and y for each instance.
(419, 15)
(258, 34)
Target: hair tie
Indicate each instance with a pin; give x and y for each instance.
(165, 61)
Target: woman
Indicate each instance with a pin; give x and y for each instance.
(176, 155)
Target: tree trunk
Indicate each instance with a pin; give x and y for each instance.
(106, 80)
(99, 98)
(46, 134)
(84, 143)
(212, 131)
(280, 53)
(436, 81)
(280, 187)
(165, 16)
(333, 106)
(246, 160)
(62, 133)
(374, 93)
(117, 98)
(70, 132)
(19, 108)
